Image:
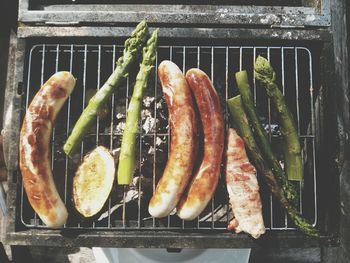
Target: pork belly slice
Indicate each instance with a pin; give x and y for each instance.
(242, 186)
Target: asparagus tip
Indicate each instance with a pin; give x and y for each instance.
(154, 37)
(138, 37)
(264, 71)
(149, 51)
(142, 24)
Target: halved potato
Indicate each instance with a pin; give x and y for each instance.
(93, 181)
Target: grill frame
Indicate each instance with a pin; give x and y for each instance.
(17, 235)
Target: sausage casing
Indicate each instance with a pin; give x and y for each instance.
(35, 151)
(205, 180)
(183, 144)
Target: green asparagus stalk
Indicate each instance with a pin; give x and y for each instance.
(291, 145)
(132, 47)
(262, 139)
(240, 119)
(127, 152)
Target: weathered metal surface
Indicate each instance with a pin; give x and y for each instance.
(340, 16)
(179, 33)
(164, 239)
(39, 3)
(12, 113)
(330, 206)
(12, 108)
(179, 14)
(286, 255)
(184, 8)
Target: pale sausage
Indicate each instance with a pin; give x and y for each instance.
(35, 150)
(183, 127)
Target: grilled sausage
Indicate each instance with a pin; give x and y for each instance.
(204, 183)
(242, 186)
(35, 150)
(183, 126)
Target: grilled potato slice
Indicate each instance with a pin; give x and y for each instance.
(93, 181)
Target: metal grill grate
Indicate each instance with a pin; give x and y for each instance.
(127, 206)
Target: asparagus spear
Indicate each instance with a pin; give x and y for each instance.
(128, 147)
(262, 139)
(291, 145)
(240, 119)
(132, 46)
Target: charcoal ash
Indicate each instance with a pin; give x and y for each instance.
(154, 157)
(271, 128)
(159, 142)
(148, 121)
(120, 116)
(119, 128)
(148, 101)
(162, 116)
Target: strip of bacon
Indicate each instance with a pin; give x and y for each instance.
(243, 189)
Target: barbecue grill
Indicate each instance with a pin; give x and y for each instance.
(86, 37)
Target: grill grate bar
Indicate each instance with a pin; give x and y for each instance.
(198, 66)
(140, 176)
(313, 131)
(220, 62)
(67, 129)
(155, 138)
(169, 129)
(111, 137)
(26, 105)
(184, 71)
(124, 187)
(83, 101)
(226, 118)
(67, 132)
(270, 137)
(284, 92)
(98, 87)
(254, 82)
(84, 95)
(54, 129)
(298, 120)
(212, 77)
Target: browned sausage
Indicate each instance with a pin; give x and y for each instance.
(183, 127)
(35, 149)
(205, 180)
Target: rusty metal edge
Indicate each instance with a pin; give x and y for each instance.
(25, 31)
(184, 14)
(154, 239)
